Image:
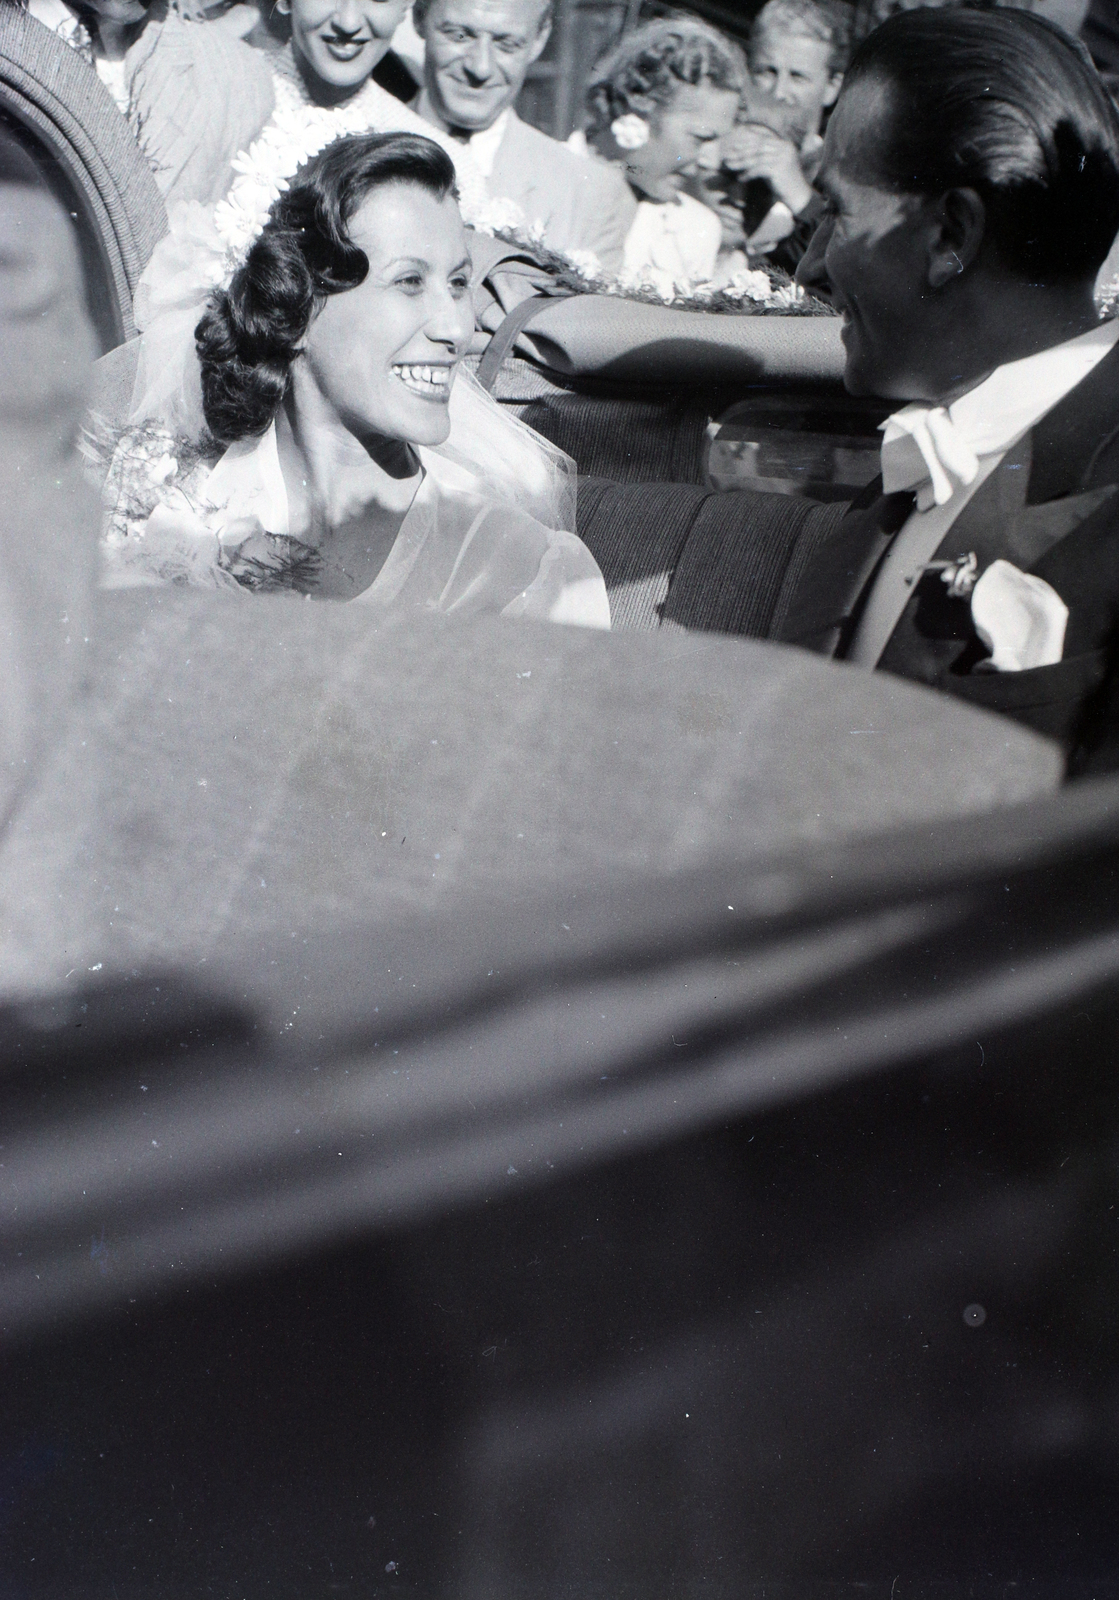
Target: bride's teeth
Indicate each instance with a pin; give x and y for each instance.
(430, 377)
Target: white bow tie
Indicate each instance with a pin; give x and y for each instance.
(924, 449)
(936, 449)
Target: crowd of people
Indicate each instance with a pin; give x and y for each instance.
(300, 419)
(677, 118)
(694, 157)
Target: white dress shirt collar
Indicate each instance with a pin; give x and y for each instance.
(936, 449)
(484, 144)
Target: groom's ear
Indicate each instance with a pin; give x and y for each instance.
(958, 226)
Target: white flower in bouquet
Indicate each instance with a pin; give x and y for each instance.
(749, 283)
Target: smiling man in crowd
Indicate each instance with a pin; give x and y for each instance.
(476, 57)
(971, 175)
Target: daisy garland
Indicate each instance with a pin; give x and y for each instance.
(295, 133)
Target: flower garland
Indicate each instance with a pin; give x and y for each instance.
(299, 130)
(764, 290)
(750, 292)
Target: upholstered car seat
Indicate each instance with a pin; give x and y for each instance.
(64, 117)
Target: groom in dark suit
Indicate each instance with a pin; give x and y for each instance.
(971, 174)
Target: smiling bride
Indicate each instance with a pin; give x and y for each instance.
(359, 463)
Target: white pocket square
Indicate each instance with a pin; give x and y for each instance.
(1020, 619)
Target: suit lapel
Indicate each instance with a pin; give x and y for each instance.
(514, 172)
(993, 510)
(506, 156)
(1072, 443)
(832, 578)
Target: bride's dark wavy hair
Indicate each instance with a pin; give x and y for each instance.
(252, 332)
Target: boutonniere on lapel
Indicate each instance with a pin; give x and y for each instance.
(959, 577)
(1016, 615)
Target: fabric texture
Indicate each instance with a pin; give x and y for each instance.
(629, 342)
(580, 203)
(638, 439)
(244, 769)
(637, 533)
(680, 555)
(731, 571)
(631, 435)
(1019, 617)
(197, 97)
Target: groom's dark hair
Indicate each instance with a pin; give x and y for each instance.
(1008, 104)
(252, 331)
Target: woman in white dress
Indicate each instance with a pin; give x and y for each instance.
(358, 463)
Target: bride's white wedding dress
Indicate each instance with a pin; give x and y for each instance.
(463, 546)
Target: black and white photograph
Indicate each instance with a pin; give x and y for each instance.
(559, 799)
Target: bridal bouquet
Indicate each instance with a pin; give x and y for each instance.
(160, 528)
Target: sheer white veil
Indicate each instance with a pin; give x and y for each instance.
(508, 461)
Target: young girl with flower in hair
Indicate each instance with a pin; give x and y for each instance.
(660, 102)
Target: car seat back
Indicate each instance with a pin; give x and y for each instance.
(65, 119)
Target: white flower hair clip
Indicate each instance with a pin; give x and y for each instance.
(630, 132)
(294, 134)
